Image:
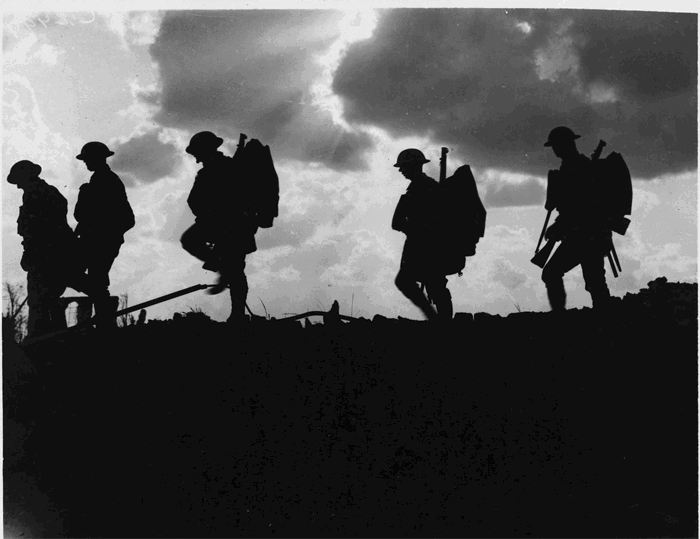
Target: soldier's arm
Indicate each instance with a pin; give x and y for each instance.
(81, 211)
(400, 220)
(22, 222)
(195, 199)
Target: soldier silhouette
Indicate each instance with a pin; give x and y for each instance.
(104, 215)
(418, 216)
(49, 248)
(583, 230)
(224, 229)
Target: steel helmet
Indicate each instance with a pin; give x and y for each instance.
(203, 141)
(94, 149)
(411, 156)
(23, 169)
(560, 134)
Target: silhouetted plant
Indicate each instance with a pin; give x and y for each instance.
(125, 319)
(14, 321)
(267, 316)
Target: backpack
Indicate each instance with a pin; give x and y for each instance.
(259, 170)
(128, 221)
(463, 219)
(614, 182)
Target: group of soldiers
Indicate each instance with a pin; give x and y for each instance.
(584, 233)
(56, 257)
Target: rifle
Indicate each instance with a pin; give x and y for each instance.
(241, 143)
(443, 164)
(598, 150)
(619, 225)
(541, 257)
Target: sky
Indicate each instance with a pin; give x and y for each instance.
(337, 94)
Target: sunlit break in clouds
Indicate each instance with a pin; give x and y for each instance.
(356, 25)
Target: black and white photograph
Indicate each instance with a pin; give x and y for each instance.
(324, 269)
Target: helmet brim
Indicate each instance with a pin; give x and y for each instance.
(550, 142)
(397, 165)
(83, 157)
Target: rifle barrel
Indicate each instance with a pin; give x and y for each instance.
(443, 164)
(544, 228)
(612, 264)
(614, 255)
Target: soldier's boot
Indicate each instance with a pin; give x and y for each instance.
(105, 309)
(194, 244)
(411, 290)
(32, 316)
(557, 295)
(220, 286)
(58, 315)
(443, 304)
(38, 320)
(238, 299)
(601, 298)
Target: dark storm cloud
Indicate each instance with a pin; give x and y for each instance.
(144, 158)
(528, 193)
(494, 82)
(250, 71)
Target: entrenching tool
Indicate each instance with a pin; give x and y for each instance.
(116, 314)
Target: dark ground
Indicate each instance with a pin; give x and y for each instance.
(530, 425)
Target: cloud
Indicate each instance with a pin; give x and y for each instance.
(506, 239)
(145, 158)
(26, 135)
(508, 275)
(558, 58)
(176, 215)
(669, 261)
(643, 202)
(134, 27)
(528, 192)
(255, 72)
(475, 79)
(307, 202)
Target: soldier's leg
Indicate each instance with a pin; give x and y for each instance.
(33, 305)
(564, 259)
(408, 285)
(238, 287)
(412, 266)
(100, 259)
(39, 315)
(441, 297)
(593, 268)
(99, 265)
(195, 243)
(57, 311)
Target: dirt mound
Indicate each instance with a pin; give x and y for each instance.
(532, 423)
